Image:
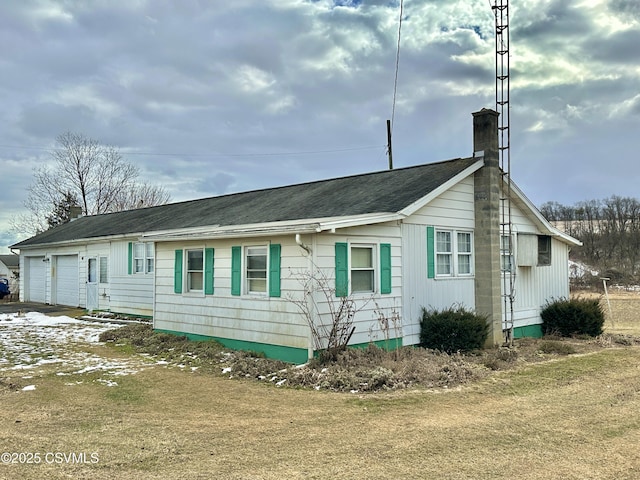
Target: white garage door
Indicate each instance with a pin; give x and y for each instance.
(66, 280)
(35, 279)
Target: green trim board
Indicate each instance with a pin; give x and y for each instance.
(385, 268)
(274, 269)
(236, 270)
(177, 271)
(533, 331)
(208, 271)
(342, 269)
(130, 258)
(279, 352)
(431, 252)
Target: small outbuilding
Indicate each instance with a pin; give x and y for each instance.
(233, 267)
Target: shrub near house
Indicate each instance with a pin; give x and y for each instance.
(578, 316)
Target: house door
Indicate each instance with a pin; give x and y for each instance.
(92, 284)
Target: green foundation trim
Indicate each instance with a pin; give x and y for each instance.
(533, 331)
(279, 352)
(391, 344)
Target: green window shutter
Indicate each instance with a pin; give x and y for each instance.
(177, 272)
(385, 268)
(208, 271)
(236, 273)
(274, 270)
(342, 269)
(130, 259)
(431, 253)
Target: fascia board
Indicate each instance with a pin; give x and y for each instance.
(360, 220)
(415, 206)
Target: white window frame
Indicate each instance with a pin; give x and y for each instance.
(246, 279)
(188, 272)
(373, 268)
(145, 259)
(453, 254)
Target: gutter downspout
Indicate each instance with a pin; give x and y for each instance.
(302, 245)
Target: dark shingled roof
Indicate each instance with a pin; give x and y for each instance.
(11, 261)
(387, 191)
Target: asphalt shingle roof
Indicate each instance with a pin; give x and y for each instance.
(11, 261)
(379, 192)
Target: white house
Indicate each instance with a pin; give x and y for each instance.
(394, 241)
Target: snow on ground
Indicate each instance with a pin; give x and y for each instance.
(34, 343)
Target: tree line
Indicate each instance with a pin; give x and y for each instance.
(609, 230)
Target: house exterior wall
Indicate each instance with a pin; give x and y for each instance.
(123, 292)
(275, 325)
(454, 211)
(535, 284)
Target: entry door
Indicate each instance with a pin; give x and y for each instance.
(92, 284)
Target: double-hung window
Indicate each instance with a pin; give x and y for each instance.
(256, 269)
(451, 253)
(465, 250)
(444, 253)
(362, 271)
(143, 257)
(195, 270)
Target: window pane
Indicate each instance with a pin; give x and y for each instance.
(443, 242)
(443, 265)
(138, 251)
(104, 272)
(195, 280)
(362, 281)
(361, 257)
(149, 250)
(257, 262)
(194, 260)
(464, 242)
(464, 264)
(139, 265)
(150, 265)
(92, 277)
(257, 285)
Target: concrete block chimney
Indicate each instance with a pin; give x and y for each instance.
(487, 191)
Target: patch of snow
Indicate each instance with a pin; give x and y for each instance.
(226, 370)
(29, 388)
(34, 341)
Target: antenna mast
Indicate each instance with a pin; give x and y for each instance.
(508, 268)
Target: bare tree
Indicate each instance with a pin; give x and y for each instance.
(94, 174)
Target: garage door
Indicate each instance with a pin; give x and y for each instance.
(66, 280)
(35, 279)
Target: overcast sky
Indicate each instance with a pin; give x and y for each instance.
(214, 97)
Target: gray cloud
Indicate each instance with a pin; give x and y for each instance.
(208, 99)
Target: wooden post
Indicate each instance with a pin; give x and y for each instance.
(389, 144)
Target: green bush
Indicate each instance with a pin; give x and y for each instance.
(453, 330)
(577, 316)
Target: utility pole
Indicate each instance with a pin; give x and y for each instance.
(389, 145)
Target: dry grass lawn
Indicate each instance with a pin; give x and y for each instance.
(573, 418)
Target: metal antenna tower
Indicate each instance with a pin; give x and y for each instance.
(508, 268)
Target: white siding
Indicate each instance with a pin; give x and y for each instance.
(535, 285)
(127, 293)
(367, 305)
(454, 210)
(250, 318)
